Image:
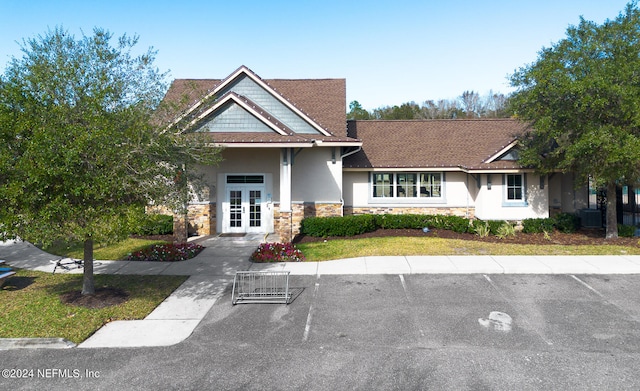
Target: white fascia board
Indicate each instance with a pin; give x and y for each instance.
(244, 105)
(501, 152)
(501, 171)
(404, 169)
(261, 145)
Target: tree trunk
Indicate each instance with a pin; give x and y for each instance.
(612, 220)
(88, 287)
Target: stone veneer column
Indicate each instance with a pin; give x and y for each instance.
(284, 227)
(202, 219)
(180, 228)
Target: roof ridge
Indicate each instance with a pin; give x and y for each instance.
(435, 120)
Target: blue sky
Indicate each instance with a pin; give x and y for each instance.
(389, 52)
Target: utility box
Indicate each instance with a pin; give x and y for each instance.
(591, 218)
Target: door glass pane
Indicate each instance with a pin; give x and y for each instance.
(254, 208)
(235, 208)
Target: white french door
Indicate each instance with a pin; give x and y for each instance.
(244, 212)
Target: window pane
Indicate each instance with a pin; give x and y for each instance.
(382, 185)
(430, 185)
(406, 185)
(515, 189)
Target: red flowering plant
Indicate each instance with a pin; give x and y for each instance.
(277, 252)
(166, 252)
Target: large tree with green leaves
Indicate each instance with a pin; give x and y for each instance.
(80, 141)
(581, 97)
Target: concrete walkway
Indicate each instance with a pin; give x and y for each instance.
(214, 268)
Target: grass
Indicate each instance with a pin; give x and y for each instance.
(351, 248)
(31, 307)
(114, 251)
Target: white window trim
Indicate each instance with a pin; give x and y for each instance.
(505, 192)
(406, 200)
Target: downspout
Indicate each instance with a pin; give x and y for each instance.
(341, 158)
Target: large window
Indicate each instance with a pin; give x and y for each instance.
(407, 185)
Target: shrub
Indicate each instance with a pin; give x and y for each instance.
(408, 221)
(626, 231)
(453, 223)
(166, 252)
(338, 226)
(567, 222)
(154, 224)
(481, 228)
(277, 252)
(531, 226)
(506, 229)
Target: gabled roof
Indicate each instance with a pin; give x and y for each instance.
(321, 103)
(465, 144)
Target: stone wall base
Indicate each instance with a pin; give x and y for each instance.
(287, 224)
(462, 212)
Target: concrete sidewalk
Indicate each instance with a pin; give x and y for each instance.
(212, 271)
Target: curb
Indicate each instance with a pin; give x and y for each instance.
(35, 343)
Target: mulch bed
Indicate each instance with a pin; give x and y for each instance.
(104, 297)
(582, 237)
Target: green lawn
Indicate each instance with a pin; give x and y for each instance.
(31, 307)
(350, 248)
(114, 251)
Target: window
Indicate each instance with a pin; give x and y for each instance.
(406, 185)
(515, 187)
(245, 179)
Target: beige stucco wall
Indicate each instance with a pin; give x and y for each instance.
(490, 203)
(243, 161)
(357, 190)
(315, 177)
(461, 193)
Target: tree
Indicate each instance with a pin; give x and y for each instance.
(357, 112)
(581, 97)
(471, 104)
(80, 144)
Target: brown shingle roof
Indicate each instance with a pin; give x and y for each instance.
(460, 143)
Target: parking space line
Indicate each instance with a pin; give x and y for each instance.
(605, 299)
(514, 306)
(406, 295)
(589, 287)
(307, 326)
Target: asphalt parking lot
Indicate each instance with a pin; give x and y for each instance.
(405, 332)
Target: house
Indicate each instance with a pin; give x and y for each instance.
(290, 153)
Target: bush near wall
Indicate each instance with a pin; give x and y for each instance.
(626, 231)
(358, 224)
(563, 222)
(154, 224)
(338, 226)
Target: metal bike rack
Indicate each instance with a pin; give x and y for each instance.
(261, 287)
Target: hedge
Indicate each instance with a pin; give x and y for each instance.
(358, 224)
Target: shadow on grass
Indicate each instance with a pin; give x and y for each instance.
(17, 283)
